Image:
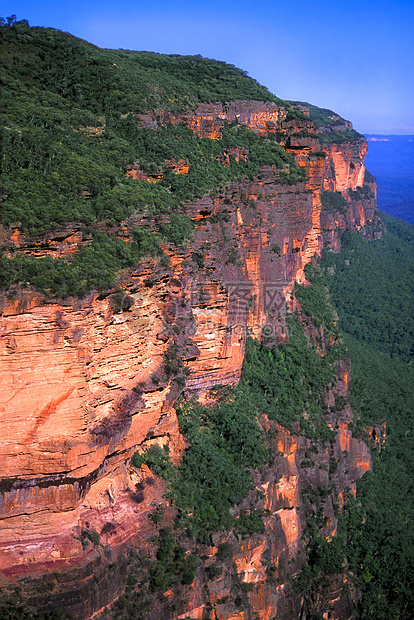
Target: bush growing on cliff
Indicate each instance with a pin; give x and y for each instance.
(314, 301)
(288, 380)
(91, 535)
(120, 302)
(214, 475)
(249, 523)
(178, 230)
(362, 193)
(334, 202)
(156, 458)
(339, 137)
(369, 178)
(94, 267)
(173, 363)
(172, 566)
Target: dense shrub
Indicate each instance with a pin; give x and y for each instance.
(214, 475)
(371, 287)
(334, 202)
(172, 566)
(94, 267)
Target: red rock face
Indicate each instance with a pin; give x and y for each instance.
(209, 119)
(64, 242)
(82, 388)
(179, 167)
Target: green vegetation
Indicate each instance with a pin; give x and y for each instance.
(371, 286)
(172, 566)
(13, 605)
(287, 380)
(314, 301)
(262, 151)
(322, 117)
(92, 267)
(148, 579)
(157, 458)
(334, 124)
(339, 136)
(213, 475)
(89, 535)
(334, 202)
(369, 178)
(122, 80)
(173, 363)
(362, 193)
(249, 523)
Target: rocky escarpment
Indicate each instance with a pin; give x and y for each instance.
(86, 383)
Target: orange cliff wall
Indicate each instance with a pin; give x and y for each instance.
(348, 163)
(70, 413)
(209, 119)
(82, 388)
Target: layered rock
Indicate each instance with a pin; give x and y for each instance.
(209, 119)
(83, 387)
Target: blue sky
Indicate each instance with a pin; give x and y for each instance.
(354, 57)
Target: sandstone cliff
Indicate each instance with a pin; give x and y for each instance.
(83, 387)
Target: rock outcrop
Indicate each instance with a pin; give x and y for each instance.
(84, 385)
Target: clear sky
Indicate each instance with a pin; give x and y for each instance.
(355, 57)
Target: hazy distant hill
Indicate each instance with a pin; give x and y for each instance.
(391, 160)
